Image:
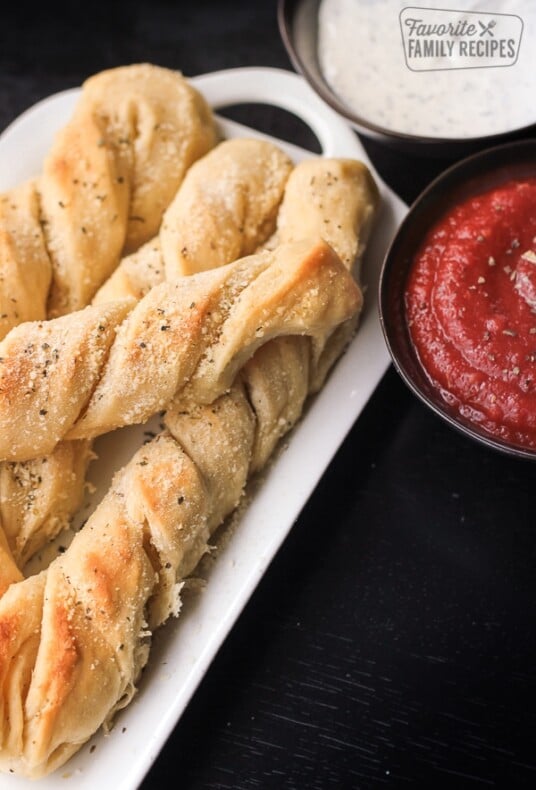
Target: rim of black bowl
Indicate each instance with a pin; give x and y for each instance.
(469, 176)
(286, 13)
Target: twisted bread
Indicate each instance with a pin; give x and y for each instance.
(73, 658)
(216, 220)
(225, 208)
(114, 169)
(277, 382)
(243, 197)
(105, 184)
(39, 497)
(25, 268)
(47, 494)
(9, 570)
(89, 616)
(336, 199)
(88, 372)
(74, 638)
(339, 200)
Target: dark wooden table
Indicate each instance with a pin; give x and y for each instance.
(392, 642)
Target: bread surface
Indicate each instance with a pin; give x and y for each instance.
(118, 363)
(106, 181)
(109, 176)
(230, 343)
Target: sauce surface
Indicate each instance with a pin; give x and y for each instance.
(362, 55)
(471, 309)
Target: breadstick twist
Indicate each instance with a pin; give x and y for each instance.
(215, 218)
(73, 658)
(225, 208)
(89, 372)
(339, 200)
(105, 184)
(74, 638)
(39, 497)
(85, 632)
(109, 176)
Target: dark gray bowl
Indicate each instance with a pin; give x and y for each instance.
(471, 175)
(298, 26)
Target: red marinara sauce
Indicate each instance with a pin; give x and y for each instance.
(471, 309)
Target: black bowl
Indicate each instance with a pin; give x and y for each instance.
(474, 174)
(298, 26)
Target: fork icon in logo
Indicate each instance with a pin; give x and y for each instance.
(487, 28)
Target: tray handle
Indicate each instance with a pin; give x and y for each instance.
(283, 89)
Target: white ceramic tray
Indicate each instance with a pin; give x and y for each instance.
(184, 648)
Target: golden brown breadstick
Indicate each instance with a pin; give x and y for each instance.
(86, 632)
(105, 184)
(73, 659)
(114, 169)
(37, 502)
(333, 198)
(25, 267)
(316, 191)
(109, 176)
(224, 209)
(89, 372)
(337, 199)
(39, 497)
(213, 219)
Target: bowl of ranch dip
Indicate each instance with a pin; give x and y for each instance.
(420, 75)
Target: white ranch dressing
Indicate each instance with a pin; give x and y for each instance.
(364, 61)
